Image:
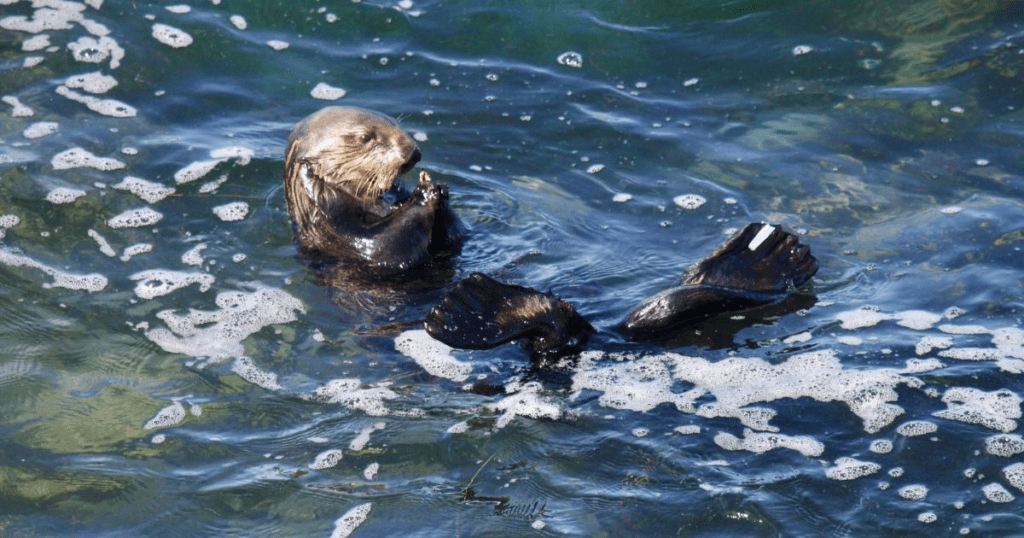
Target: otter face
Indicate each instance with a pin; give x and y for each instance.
(357, 150)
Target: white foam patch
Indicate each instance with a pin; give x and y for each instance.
(327, 92)
(179, 9)
(194, 256)
(135, 250)
(171, 36)
(371, 471)
(689, 201)
(168, 416)
(432, 355)
(913, 492)
(277, 44)
(64, 195)
(851, 469)
(195, 171)
(80, 158)
(326, 459)
(526, 401)
(159, 282)
(929, 343)
(247, 370)
(762, 235)
(34, 43)
(351, 393)
(95, 82)
(135, 218)
(147, 190)
(239, 22)
(91, 50)
(218, 334)
(881, 446)
(1014, 474)
(869, 317)
(643, 383)
(363, 438)
(916, 428)
(105, 247)
(759, 443)
(995, 410)
(7, 222)
(231, 212)
(19, 109)
(461, 427)
(243, 154)
(1004, 445)
(347, 524)
(32, 61)
(61, 279)
(690, 429)
(40, 129)
(996, 493)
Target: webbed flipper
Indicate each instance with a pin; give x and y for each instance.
(757, 266)
(480, 313)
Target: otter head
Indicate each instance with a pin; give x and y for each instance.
(342, 153)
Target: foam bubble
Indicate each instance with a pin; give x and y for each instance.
(105, 247)
(571, 59)
(346, 524)
(762, 442)
(55, 17)
(1014, 474)
(91, 282)
(881, 446)
(595, 168)
(247, 370)
(135, 218)
(218, 334)
(996, 493)
(171, 36)
(159, 282)
(80, 158)
(195, 171)
(527, 402)
(239, 22)
(194, 256)
(371, 470)
(1004, 445)
(995, 410)
(929, 343)
(147, 190)
(19, 109)
(40, 129)
(461, 427)
(135, 250)
(106, 107)
(94, 82)
(6, 222)
(232, 211)
(690, 429)
(622, 197)
(363, 438)
(326, 459)
(927, 517)
(690, 201)
(351, 393)
(34, 43)
(277, 45)
(168, 416)
(64, 195)
(90, 50)
(327, 92)
(916, 428)
(179, 9)
(32, 61)
(851, 469)
(800, 50)
(432, 355)
(243, 154)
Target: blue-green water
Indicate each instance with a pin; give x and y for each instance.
(203, 384)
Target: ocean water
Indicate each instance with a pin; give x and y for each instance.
(168, 367)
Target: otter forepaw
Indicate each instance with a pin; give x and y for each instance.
(480, 313)
(760, 258)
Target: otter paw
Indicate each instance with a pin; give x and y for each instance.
(481, 313)
(760, 258)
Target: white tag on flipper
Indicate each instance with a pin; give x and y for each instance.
(761, 236)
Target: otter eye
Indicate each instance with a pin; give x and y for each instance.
(366, 138)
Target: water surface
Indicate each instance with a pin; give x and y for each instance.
(170, 368)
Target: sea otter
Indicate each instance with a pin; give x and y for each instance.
(342, 167)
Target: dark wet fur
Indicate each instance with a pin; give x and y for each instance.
(480, 312)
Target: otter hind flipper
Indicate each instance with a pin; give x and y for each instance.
(761, 258)
(481, 313)
(757, 266)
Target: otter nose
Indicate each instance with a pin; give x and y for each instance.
(413, 159)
